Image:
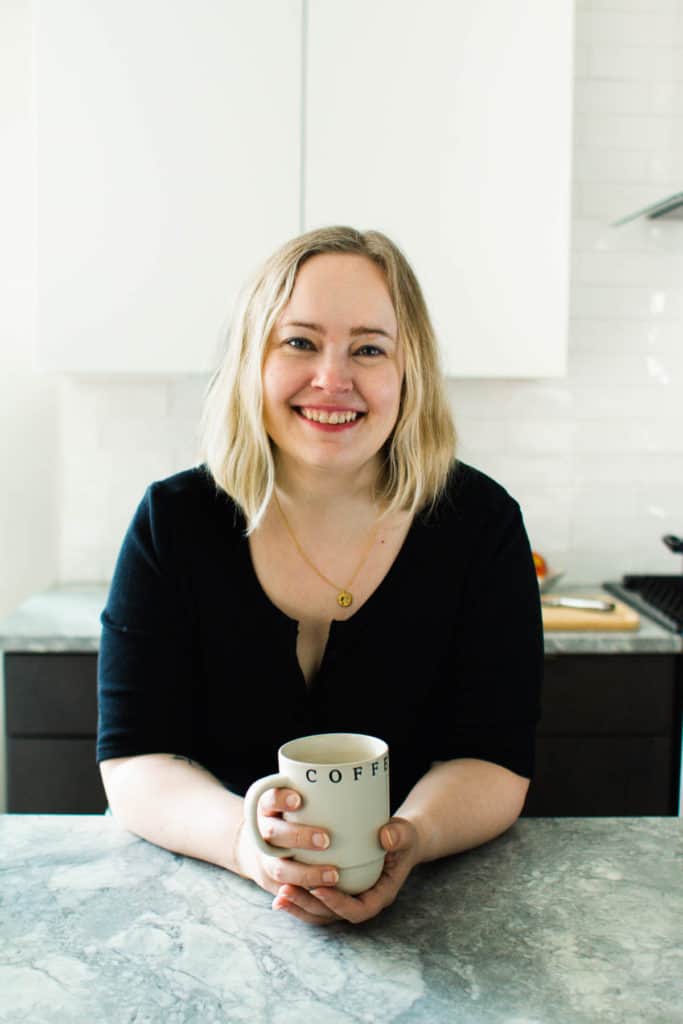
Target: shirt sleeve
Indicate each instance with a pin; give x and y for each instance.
(491, 689)
(145, 663)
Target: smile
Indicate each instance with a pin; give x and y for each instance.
(338, 418)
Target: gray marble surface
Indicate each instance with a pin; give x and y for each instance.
(560, 921)
(66, 618)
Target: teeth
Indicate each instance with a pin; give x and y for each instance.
(320, 416)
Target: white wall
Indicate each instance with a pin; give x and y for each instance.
(596, 459)
(29, 451)
(29, 442)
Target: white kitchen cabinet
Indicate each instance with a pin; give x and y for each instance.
(448, 126)
(168, 165)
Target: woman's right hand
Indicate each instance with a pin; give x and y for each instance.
(287, 879)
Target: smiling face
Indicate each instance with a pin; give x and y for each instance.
(333, 368)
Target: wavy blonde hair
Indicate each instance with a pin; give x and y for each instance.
(234, 444)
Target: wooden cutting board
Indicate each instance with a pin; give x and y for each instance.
(623, 618)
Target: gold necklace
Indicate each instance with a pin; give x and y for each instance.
(344, 595)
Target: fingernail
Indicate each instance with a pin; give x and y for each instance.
(332, 877)
(321, 840)
(390, 837)
(293, 801)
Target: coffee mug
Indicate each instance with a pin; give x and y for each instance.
(343, 781)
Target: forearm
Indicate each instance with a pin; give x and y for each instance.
(460, 804)
(175, 803)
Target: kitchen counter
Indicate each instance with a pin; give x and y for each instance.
(560, 921)
(66, 618)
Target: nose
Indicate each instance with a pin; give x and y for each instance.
(333, 374)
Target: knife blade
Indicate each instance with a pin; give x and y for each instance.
(582, 603)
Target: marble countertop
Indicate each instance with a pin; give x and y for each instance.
(66, 618)
(560, 921)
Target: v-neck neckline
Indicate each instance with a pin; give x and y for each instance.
(378, 595)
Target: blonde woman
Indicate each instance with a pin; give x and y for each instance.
(328, 566)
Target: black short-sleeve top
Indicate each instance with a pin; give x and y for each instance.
(444, 660)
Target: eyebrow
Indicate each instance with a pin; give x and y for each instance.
(354, 332)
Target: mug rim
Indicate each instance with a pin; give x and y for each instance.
(381, 752)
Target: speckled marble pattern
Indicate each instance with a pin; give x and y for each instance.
(561, 921)
(66, 618)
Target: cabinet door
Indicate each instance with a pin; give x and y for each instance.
(609, 736)
(447, 125)
(168, 165)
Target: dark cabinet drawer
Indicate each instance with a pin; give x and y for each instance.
(53, 776)
(602, 776)
(608, 694)
(51, 694)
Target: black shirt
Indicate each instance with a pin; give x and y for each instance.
(444, 660)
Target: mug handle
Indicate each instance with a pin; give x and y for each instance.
(251, 799)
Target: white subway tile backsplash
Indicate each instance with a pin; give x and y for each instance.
(596, 458)
(618, 337)
(609, 302)
(581, 62)
(631, 268)
(613, 202)
(595, 96)
(631, 6)
(630, 63)
(638, 436)
(641, 27)
(605, 165)
(627, 131)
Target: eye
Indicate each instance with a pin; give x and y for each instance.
(300, 344)
(369, 350)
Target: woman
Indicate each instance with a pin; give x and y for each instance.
(329, 566)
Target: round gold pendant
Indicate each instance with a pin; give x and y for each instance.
(344, 599)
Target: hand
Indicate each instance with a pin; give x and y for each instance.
(400, 839)
(275, 874)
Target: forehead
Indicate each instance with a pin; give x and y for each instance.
(340, 290)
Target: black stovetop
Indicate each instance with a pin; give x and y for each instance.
(659, 597)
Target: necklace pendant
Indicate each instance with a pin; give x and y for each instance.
(344, 599)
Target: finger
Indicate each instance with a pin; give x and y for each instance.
(354, 909)
(277, 801)
(302, 915)
(293, 835)
(369, 903)
(286, 871)
(301, 898)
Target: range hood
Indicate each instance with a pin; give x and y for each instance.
(671, 208)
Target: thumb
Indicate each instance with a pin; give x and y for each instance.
(395, 835)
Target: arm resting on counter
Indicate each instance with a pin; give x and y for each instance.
(463, 803)
(455, 806)
(175, 803)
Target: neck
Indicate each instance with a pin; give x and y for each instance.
(322, 489)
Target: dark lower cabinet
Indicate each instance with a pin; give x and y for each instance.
(51, 724)
(609, 741)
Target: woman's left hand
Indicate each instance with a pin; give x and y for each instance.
(399, 838)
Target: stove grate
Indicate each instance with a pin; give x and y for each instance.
(665, 593)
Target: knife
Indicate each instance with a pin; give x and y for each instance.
(584, 603)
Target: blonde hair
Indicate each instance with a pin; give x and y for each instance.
(234, 444)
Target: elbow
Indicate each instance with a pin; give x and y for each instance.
(110, 773)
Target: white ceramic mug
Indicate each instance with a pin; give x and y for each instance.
(343, 781)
